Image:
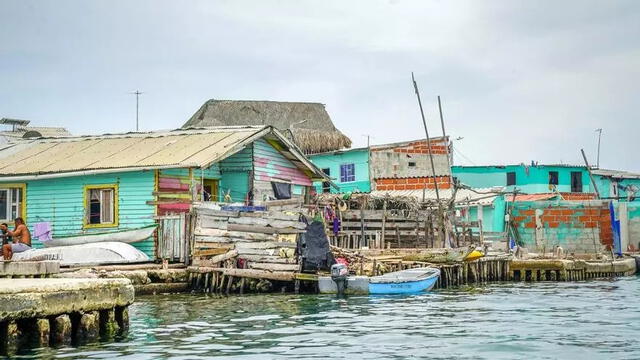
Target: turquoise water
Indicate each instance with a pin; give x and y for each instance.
(587, 320)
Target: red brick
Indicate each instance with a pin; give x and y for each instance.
(553, 224)
(530, 225)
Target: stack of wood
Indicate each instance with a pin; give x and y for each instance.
(258, 245)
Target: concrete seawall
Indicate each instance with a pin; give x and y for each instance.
(38, 312)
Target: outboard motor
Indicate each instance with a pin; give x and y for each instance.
(339, 273)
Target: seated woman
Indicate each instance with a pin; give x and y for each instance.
(21, 239)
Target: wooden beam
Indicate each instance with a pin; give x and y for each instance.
(262, 229)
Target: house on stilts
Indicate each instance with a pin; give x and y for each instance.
(89, 184)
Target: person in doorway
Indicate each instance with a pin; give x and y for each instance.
(21, 239)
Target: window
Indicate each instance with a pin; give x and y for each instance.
(11, 202)
(326, 186)
(101, 205)
(553, 178)
(347, 173)
(210, 188)
(281, 190)
(576, 181)
(511, 178)
(412, 163)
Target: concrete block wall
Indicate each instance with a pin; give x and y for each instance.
(577, 226)
(409, 160)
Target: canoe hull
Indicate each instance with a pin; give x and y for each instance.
(125, 236)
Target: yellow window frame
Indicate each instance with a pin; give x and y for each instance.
(23, 206)
(116, 213)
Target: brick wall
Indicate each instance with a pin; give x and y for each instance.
(444, 182)
(438, 147)
(577, 226)
(577, 196)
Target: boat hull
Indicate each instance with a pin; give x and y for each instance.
(409, 281)
(125, 236)
(407, 287)
(86, 254)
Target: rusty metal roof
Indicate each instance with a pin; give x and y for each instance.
(531, 197)
(480, 196)
(184, 148)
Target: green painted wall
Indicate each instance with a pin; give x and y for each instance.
(332, 161)
(529, 179)
(492, 215)
(604, 185)
(61, 202)
(234, 174)
(213, 172)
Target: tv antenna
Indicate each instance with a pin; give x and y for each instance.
(137, 93)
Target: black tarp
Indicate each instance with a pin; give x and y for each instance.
(281, 190)
(314, 248)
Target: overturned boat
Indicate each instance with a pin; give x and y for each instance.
(125, 236)
(86, 254)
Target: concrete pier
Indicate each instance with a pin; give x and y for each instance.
(22, 269)
(38, 312)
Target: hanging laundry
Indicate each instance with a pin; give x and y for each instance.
(42, 231)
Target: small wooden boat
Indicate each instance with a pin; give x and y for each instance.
(405, 281)
(125, 236)
(86, 254)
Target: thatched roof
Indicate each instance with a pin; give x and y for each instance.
(308, 124)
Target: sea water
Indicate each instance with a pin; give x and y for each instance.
(574, 320)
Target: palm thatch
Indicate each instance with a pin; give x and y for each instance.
(308, 124)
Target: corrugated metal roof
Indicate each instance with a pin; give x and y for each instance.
(619, 174)
(45, 131)
(482, 196)
(178, 148)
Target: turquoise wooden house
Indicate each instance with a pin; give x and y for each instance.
(532, 179)
(349, 170)
(124, 181)
(570, 182)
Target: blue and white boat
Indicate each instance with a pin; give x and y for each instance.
(404, 282)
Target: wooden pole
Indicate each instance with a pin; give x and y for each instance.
(426, 131)
(446, 141)
(384, 222)
(441, 231)
(593, 182)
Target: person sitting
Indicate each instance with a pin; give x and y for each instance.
(3, 233)
(21, 239)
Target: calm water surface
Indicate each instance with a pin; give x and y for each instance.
(588, 320)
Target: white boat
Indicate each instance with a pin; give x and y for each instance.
(86, 254)
(125, 236)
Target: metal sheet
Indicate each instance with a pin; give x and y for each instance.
(483, 196)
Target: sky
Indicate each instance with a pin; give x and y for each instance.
(519, 81)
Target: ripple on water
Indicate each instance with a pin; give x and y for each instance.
(590, 320)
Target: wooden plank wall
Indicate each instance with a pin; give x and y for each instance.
(264, 240)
